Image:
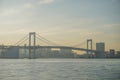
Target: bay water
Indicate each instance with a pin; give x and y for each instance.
(59, 69)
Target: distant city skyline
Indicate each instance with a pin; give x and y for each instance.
(62, 21)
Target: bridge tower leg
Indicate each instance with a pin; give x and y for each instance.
(25, 56)
(32, 47)
(89, 46)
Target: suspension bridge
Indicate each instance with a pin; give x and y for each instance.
(32, 42)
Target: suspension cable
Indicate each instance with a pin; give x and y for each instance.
(21, 40)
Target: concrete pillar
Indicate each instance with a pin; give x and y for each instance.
(32, 55)
(89, 45)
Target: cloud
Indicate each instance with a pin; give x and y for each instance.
(37, 3)
(45, 1)
(112, 25)
(28, 5)
(7, 12)
(12, 11)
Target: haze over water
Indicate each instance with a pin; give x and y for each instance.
(59, 69)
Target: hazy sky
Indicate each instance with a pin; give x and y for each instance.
(65, 22)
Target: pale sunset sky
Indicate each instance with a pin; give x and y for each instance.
(66, 22)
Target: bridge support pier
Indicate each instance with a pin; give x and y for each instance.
(89, 46)
(32, 47)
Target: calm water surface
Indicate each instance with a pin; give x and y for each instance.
(59, 69)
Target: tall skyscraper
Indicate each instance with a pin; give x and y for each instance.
(100, 48)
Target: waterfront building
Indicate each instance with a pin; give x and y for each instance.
(12, 52)
(118, 54)
(100, 48)
(112, 53)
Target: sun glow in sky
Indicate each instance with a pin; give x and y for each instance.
(66, 22)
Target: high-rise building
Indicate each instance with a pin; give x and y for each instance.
(12, 52)
(67, 53)
(100, 48)
(118, 54)
(112, 53)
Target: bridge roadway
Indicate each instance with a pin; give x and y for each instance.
(60, 47)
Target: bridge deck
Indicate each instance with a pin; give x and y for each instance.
(60, 47)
